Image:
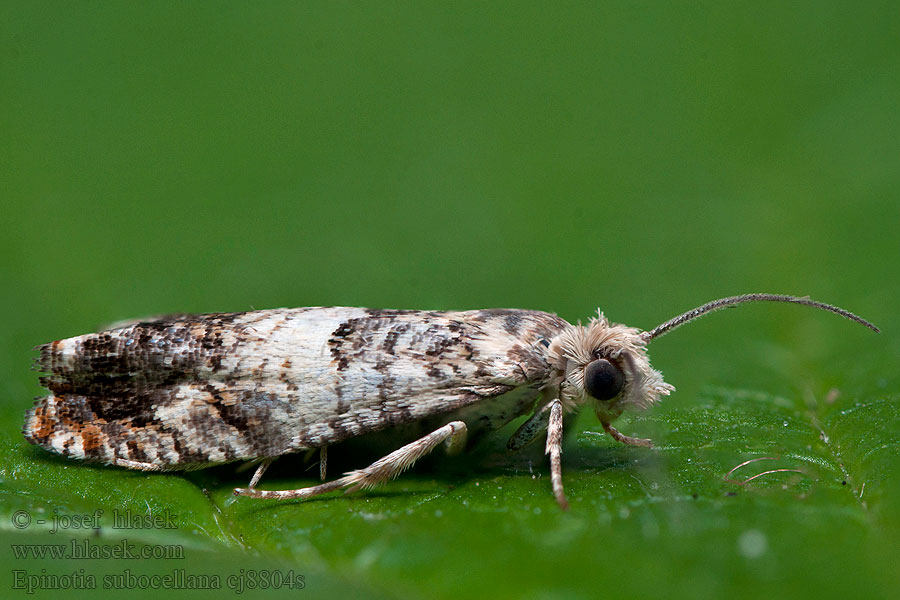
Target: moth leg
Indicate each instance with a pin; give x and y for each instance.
(289, 494)
(389, 467)
(530, 429)
(625, 439)
(554, 449)
(133, 464)
(323, 461)
(381, 470)
(260, 470)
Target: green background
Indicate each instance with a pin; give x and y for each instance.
(640, 157)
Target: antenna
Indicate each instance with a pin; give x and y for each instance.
(690, 315)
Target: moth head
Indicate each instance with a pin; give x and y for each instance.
(607, 364)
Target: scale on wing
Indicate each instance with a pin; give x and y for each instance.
(184, 392)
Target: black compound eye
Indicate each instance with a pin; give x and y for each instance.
(603, 380)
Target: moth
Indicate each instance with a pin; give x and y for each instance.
(190, 391)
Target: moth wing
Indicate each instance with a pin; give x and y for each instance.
(400, 367)
(145, 392)
(213, 388)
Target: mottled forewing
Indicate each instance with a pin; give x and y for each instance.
(213, 388)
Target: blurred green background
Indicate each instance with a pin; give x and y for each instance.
(640, 157)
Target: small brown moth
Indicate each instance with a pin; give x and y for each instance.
(190, 391)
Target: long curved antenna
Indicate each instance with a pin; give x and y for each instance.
(732, 300)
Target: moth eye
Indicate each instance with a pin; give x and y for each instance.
(603, 380)
(544, 342)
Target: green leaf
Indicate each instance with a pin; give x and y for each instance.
(813, 493)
